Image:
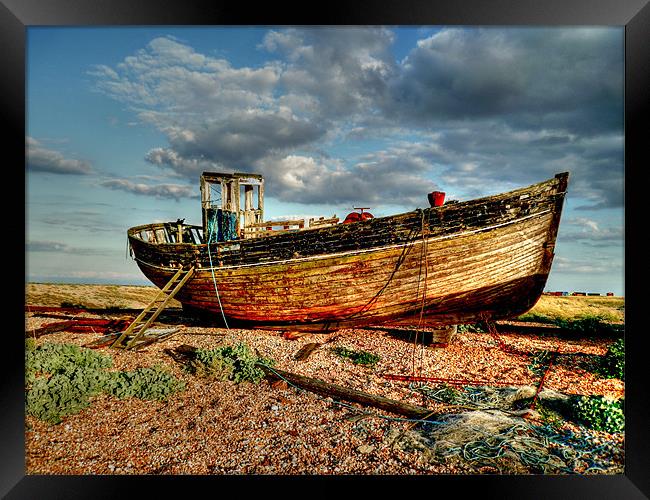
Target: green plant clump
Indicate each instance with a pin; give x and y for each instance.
(236, 363)
(535, 318)
(61, 379)
(72, 305)
(600, 413)
(144, 383)
(593, 325)
(480, 327)
(63, 359)
(613, 363)
(357, 357)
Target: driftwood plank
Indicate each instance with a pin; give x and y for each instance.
(306, 350)
(51, 328)
(104, 341)
(185, 352)
(337, 391)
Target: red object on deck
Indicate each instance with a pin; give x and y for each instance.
(352, 217)
(436, 198)
(357, 217)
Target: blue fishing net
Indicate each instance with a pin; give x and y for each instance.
(222, 225)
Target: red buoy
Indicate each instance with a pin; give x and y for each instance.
(436, 198)
(358, 216)
(352, 217)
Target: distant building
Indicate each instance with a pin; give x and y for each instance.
(610, 294)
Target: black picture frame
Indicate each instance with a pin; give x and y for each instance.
(17, 15)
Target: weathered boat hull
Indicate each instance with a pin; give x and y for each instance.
(471, 261)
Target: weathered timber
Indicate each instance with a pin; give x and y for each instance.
(51, 328)
(152, 337)
(339, 392)
(456, 263)
(54, 315)
(104, 341)
(306, 350)
(40, 309)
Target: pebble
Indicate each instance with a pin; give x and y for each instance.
(118, 431)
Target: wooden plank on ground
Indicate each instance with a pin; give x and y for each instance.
(51, 328)
(339, 392)
(306, 350)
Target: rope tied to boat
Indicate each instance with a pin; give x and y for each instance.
(408, 245)
(214, 279)
(423, 258)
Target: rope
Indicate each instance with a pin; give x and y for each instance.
(214, 279)
(541, 382)
(423, 256)
(410, 242)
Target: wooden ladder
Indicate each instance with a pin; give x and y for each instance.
(149, 314)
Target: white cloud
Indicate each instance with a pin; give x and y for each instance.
(470, 108)
(42, 159)
(173, 191)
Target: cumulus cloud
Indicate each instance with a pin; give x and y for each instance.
(42, 159)
(378, 179)
(173, 191)
(594, 265)
(169, 158)
(589, 232)
(173, 76)
(58, 247)
(344, 70)
(545, 78)
(244, 137)
(468, 110)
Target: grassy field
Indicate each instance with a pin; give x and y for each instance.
(91, 296)
(550, 308)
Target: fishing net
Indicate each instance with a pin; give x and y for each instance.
(222, 225)
(492, 435)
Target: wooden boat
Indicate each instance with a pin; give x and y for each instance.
(462, 262)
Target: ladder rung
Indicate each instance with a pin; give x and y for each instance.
(137, 329)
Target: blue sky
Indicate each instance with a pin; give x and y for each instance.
(121, 121)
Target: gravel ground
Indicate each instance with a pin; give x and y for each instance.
(216, 427)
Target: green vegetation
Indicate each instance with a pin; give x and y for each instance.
(357, 357)
(237, 363)
(144, 383)
(600, 413)
(444, 393)
(473, 328)
(72, 305)
(539, 362)
(594, 325)
(61, 379)
(613, 363)
(534, 317)
(585, 324)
